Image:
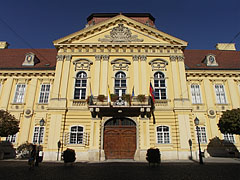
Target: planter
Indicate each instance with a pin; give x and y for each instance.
(141, 98)
(69, 156)
(114, 97)
(153, 156)
(101, 98)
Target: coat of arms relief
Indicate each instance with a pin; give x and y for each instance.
(120, 34)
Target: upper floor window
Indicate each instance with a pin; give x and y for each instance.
(202, 134)
(196, 95)
(11, 138)
(44, 93)
(160, 86)
(163, 135)
(76, 135)
(19, 93)
(220, 94)
(120, 83)
(38, 134)
(80, 85)
(229, 137)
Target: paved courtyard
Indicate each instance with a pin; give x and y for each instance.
(120, 170)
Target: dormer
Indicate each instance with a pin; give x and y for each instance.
(210, 60)
(30, 59)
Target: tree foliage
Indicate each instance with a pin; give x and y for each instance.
(229, 122)
(8, 124)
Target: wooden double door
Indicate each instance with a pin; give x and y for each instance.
(120, 139)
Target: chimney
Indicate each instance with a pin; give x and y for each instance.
(3, 45)
(226, 46)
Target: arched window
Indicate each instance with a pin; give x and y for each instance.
(76, 135)
(120, 83)
(163, 135)
(160, 86)
(80, 85)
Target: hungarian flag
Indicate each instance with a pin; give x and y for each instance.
(151, 90)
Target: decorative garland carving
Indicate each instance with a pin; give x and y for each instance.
(120, 34)
(120, 64)
(158, 64)
(82, 64)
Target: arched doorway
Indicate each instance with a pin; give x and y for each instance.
(119, 138)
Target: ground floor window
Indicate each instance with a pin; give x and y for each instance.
(202, 134)
(38, 134)
(229, 137)
(11, 138)
(163, 135)
(76, 135)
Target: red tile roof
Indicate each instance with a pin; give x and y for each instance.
(13, 58)
(225, 59)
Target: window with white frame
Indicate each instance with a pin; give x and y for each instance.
(44, 93)
(163, 135)
(229, 137)
(76, 135)
(196, 94)
(19, 93)
(11, 138)
(201, 133)
(120, 83)
(80, 85)
(160, 88)
(38, 134)
(220, 94)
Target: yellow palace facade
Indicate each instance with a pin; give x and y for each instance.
(92, 91)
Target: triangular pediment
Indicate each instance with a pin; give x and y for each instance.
(120, 30)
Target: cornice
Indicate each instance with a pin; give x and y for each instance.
(28, 73)
(213, 74)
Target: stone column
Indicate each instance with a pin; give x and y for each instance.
(57, 78)
(96, 84)
(31, 86)
(7, 88)
(65, 77)
(233, 91)
(104, 75)
(182, 76)
(144, 82)
(136, 74)
(175, 77)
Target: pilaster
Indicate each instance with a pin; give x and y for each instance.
(104, 75)
(136, 74)
(6, 92)
(233, 94)
(143, 63)
(96, 83)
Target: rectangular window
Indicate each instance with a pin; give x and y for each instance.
(163, 135)
(196, 95)
(229, 137)
(44, 93)
(19, 93)
(11, 138)
(220, 94)
(38, 134)
(202, 135)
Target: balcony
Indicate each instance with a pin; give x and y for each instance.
(120, 106)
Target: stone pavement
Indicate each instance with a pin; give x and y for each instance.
(213, 168)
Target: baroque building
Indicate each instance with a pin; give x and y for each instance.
(92, 91)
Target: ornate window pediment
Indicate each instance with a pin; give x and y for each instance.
(120, 34)
(82, 64)
(120, 64)
(158, 64)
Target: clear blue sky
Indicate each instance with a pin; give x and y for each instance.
(202, 23)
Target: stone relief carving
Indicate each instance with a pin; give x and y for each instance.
(120, 64)
(82, 64)
(68, 57)
(120, 34)
(158, 64)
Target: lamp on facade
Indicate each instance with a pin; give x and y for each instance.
(196, 122)
(41, 122)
